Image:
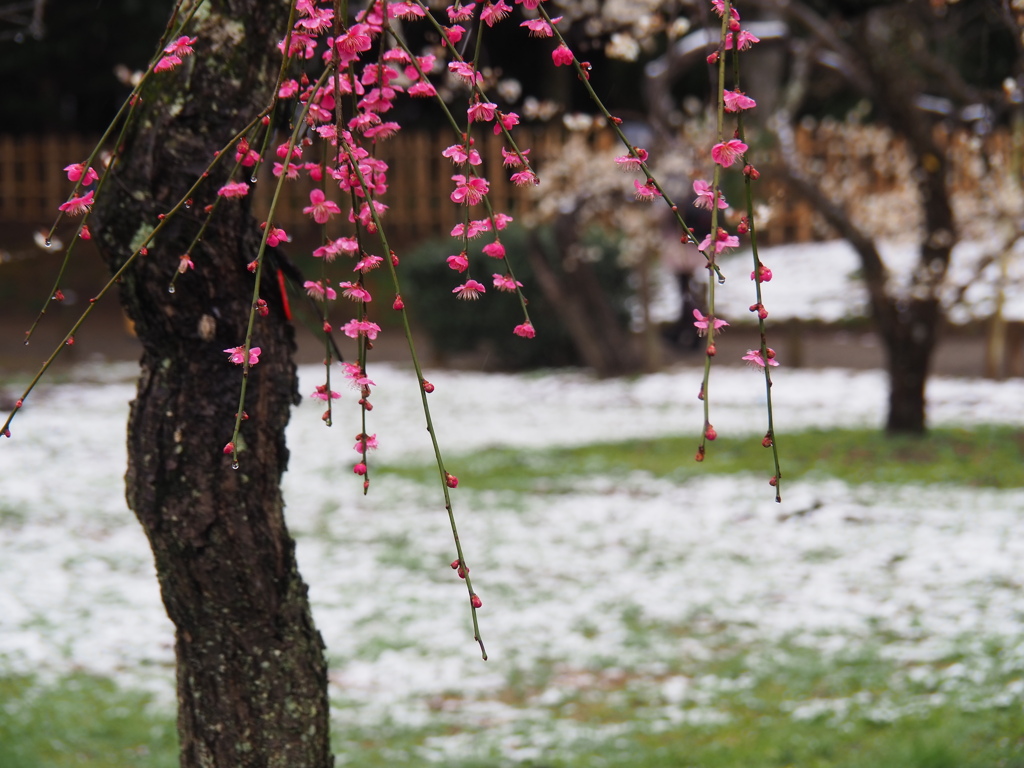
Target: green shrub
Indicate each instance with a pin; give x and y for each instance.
(486, 325)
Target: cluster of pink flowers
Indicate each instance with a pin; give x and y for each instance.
(726, 154)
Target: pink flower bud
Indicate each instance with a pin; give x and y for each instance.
(475, 600)
(455, 564)
(359, 469)
(774, 481)
(711, 350)
(766, 442)
(451, 480)
(710, 433)
(427, 387)
(229, 448)
(398, 304)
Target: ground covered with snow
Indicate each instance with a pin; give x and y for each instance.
(629, 590)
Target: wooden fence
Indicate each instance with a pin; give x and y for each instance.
(33, 183)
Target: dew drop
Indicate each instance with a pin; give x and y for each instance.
(19, 38)
(234, 465)
(721, 281)
(170, 289)
(48, 242)
(252, 179)
(188, 204)
(26, 342)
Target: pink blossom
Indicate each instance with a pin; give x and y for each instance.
(320, 208)
(354, 291)
(237, 355)
(705, 196)
(367, 263)
(508, 121)
(355, 328)
(506, 283)
(469, 190)
(185, 264)
(293, 171)
(728, 152)
(355, 40)
(495, 12)
(470, 290)
(78, 205)
(454, 34)
(539, 27)
(85, 234)
(234, 189)
(458, 262)
(334, 247)
(319, 291)
(458, 155)
(502, 220)
(79, 171)
(524, 178)
(462, 13)
(424, 90)
(530, 4)
(167, 63)
(513, 160)
(702, 323)
(465, 72)
(476, 227)
(182, 46)
(744, 40)
(753, 357)
(723, 241)
(525, 330)
(288, 89)
(355, 374)
(276, 236)
(364, 443)
(405, 10)
(736, 101)
(315, 20)
(495, 250)
(562, 56)
(646, 192)
(323, 393)
(719, 6)
(631, 163)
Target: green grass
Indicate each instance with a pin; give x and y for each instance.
(980, 457)
(81, 720)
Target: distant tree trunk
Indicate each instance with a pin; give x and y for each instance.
(602, 342)
(909, 345)
(252, 680)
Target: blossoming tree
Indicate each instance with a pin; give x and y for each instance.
(301, 88)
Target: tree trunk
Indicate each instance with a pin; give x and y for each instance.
(909, 344)
(583, 306)
(252, 680)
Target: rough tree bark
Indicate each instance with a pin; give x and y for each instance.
(252, 680)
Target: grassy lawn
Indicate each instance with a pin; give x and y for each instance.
(736, 703)
(981, 457)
